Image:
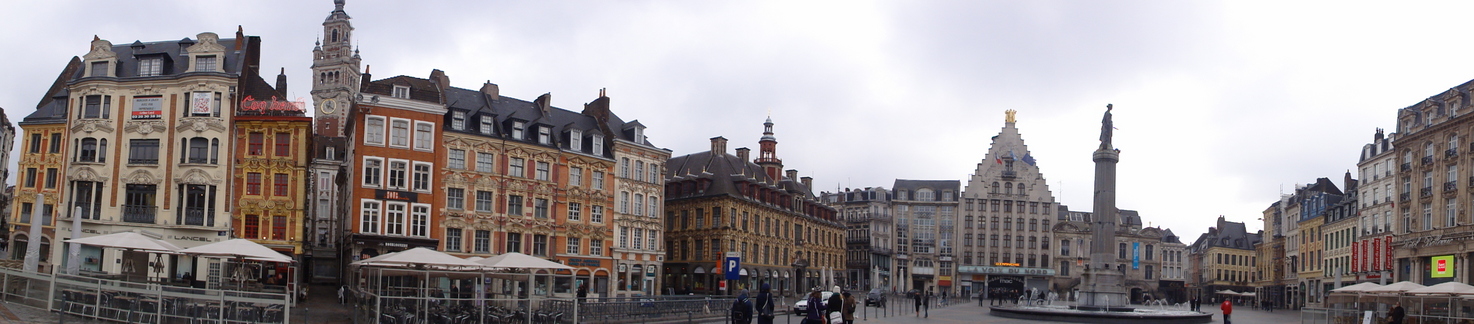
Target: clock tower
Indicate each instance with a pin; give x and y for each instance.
(335, 72)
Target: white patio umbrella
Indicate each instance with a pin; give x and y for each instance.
(129, 241)
(1447, 288)
(240, 248)
(516, 260)
(419, 256)
(1357, 288)
(1396, 287)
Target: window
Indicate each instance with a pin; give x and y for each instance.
(205, 63)
(453, 239)
(573, 245)
(516, 168)
(279, 228)
(30, 180)
(514, 205)
(399, 133)
(518, 130)
(96, 106)
(424, 136)
(575, 176)
(99, 69)
(373, 170)
(639, 239)
(483, 241)
(640, 170)
(598, 144)
(654, 202)
(55, 143)
(35, 143)
(91, 151)
(540, 208)
(596, 247)
(397, 174)
(624, 237)
(253, 183)
(369, 217)
(1451, 214)
(394, 219)
(151, 66)
(514, 242)
(575, 140)
(484, 201)
(373, 133)
(51, 178)
(574, 210)
(202, 151)
(544, 136)
(279, 185)
(458, 120)
(487, 125)
(598, 180)
(624, 202)
(422, 177)
(539, 244)
(253, 226)
(457, 159)
(401, 92)
(624, 168)
(639, 204)
(596, 214)
(542, 170)
(283, 144)
(455, 198)
(419, 220)
(485, 162)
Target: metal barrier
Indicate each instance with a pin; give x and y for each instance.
(134, 302)
(1311, 315)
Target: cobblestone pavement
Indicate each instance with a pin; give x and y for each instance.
(973, 313)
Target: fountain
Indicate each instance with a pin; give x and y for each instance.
(1103, 298)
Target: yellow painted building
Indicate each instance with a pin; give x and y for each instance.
(272, 153)
(43, 151)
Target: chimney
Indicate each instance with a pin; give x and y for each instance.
(719, 145)
(491, 89)
(791, 174)
(440, 79)
(240, 37)
(808, 182)
(544, 103)
(281, 83)
(742, 153)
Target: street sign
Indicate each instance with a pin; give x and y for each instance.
(733, 266)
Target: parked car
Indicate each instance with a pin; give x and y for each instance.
(802, 306)
(875, 298)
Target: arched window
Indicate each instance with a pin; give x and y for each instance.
(1428, 150)
(994, 189)
(1453, 142)
(335, 35)
(1020, 225)
(1021, 189)
(1008, 188)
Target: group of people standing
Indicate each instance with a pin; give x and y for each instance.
(820, 310)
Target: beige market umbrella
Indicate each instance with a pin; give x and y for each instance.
(129, 241)
(239, 248)
(516, 260)
(418, 256)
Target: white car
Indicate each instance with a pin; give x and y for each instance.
(802, 306)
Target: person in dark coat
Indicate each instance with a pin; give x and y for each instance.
(926, 304)
(833, 303)
(1395, 315)
(815, 315)
(916, 296)
(764, 305)
(742, 309)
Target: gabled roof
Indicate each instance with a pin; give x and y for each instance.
(52, 109)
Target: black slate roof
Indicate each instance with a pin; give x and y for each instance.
(53, 106)
(938, 186)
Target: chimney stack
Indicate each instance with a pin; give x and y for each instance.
(719, 145)
(791, 174)
(491, 89)
(742, 153)
(808, 182)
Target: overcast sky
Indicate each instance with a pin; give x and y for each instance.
(1220, 105)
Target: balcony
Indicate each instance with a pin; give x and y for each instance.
(198, 216)
(1450, 186)
(1425, 192)
(1407, 166)
(1404, 196)
(139, 214)
(857, 240)
(143, 161)
(857, 264)
(1427, 160)
(1450, 153)
(1010, 175)
(880, 250)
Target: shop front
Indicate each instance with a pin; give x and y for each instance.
(1009, 281)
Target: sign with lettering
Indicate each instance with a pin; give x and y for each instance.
(1005, 270)
(1443, 266)
(148, 107)
(273, 107)
(1375, 253)
(575, 262)
(733, 266)
(199, 104)
(396, 195)
(650, 271)
(1387, 253)
(1135, 255)
(1356, 256)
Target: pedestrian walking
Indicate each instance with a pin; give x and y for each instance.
(815, 315)
(916, 296)
(1395, 315)
(834, 303)
(342, 295)
(1227, 308)
(848, 310)
(742, 309)
(926, 305)
(764, 305)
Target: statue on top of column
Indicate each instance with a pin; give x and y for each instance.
(1106, 128)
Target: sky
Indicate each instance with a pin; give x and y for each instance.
(1220, 106)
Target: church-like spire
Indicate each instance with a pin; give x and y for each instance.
(768, 152)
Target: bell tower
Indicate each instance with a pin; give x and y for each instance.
(335, 72)
(768, 153)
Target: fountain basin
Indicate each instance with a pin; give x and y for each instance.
(1123, 316)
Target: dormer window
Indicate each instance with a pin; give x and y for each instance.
(639, 135)
(544, 136)
(486, 125)
(518, 130)
(575, 140)
(99, 69)
(205, 63)
(151, 66)
(458, 120)
(598, 144)
(401, 92)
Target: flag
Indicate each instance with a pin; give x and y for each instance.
(998, 159)
(1028, 158)
(1011, 156)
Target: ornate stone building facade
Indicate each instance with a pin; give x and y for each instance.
(1006, 205)
(150, 146)
(719, 203)
(269, 186)
(1371, 260)
(869, 236)
(42, 155)
(1434, 184)
(393, 138)
(1152, 259)
(639, 183)
(1223, 259)
(926, 227)
(335, 85)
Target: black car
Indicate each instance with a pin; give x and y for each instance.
(875, 298)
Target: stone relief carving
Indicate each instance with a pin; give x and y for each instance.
(142, 177)
(196, 176)
(144, 127)
(207, 42)
(101, 49)
(201, 124)
(85, 174)
(92, 125)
